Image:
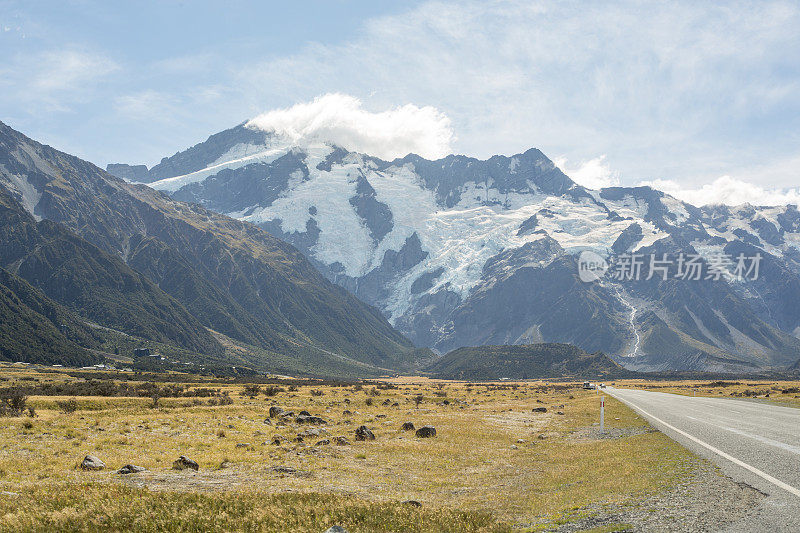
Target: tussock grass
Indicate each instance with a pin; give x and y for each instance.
(96, 507)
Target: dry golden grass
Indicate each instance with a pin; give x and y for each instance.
(473, 475)
(780, 392)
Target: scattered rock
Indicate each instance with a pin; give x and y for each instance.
(131, 469)
(407, 426)
(308, 419)
(277, 440)
(336, 529)
(412, 503)
(304, 413)
(539, 409)
(243, 445)
(184, 463)
(426, 432)
(90, 462)
(323, 442)
(363, 433)
(275, 411)
(346, 412)
(341, 441)
(514, 447)
(268, 422)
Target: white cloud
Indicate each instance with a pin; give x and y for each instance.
(67, 70)
(594, 173)
(342, 120)
(727, 190)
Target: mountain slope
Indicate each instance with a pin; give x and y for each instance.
(35, 329)
(231, 276)
(525, 361)
(460, 251)
(94, 284)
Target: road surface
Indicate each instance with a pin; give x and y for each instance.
(752, 442)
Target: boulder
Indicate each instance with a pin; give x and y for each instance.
(407, 426)
(184, 463)
(275, 411)
(131, 469)
(364, 433)
(426, 432)
(309, 419)
(90, 462)
(303, 413)
(539, 409)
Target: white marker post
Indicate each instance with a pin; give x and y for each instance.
(602, 414)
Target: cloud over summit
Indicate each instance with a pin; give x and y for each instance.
(342, 120)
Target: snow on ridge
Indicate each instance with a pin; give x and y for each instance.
(267, 155)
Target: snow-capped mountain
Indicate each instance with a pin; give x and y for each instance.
(460, 251)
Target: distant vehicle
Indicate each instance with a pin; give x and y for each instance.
(587, 385)
(602, 385)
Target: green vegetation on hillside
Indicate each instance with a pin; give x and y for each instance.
(524, 361)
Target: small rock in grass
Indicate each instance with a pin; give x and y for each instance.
(91, 462)
(131, 469)
(323, 442)
(407, 426)
(539, 409)
(242, 444)
(426, 432)
(364, 433)
(275, 411)
(184, 463)
(412, 503)
(336, 529)
(341, 441)
(308, 419)
(303, 413)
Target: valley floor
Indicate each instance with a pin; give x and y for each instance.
(495, 464)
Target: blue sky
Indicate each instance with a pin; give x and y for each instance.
(679, 94)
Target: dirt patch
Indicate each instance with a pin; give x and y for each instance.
(594, 433)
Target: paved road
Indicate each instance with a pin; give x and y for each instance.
(752, 442)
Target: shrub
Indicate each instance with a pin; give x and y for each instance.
(67, 406)
(12, 402)
(315, 392)
(251, 390)
(418, 400)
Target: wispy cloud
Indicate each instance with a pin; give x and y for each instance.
(594, 173)
(677, 90)
(728, 191)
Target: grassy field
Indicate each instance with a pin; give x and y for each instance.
(786, 393)
(494, 465)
